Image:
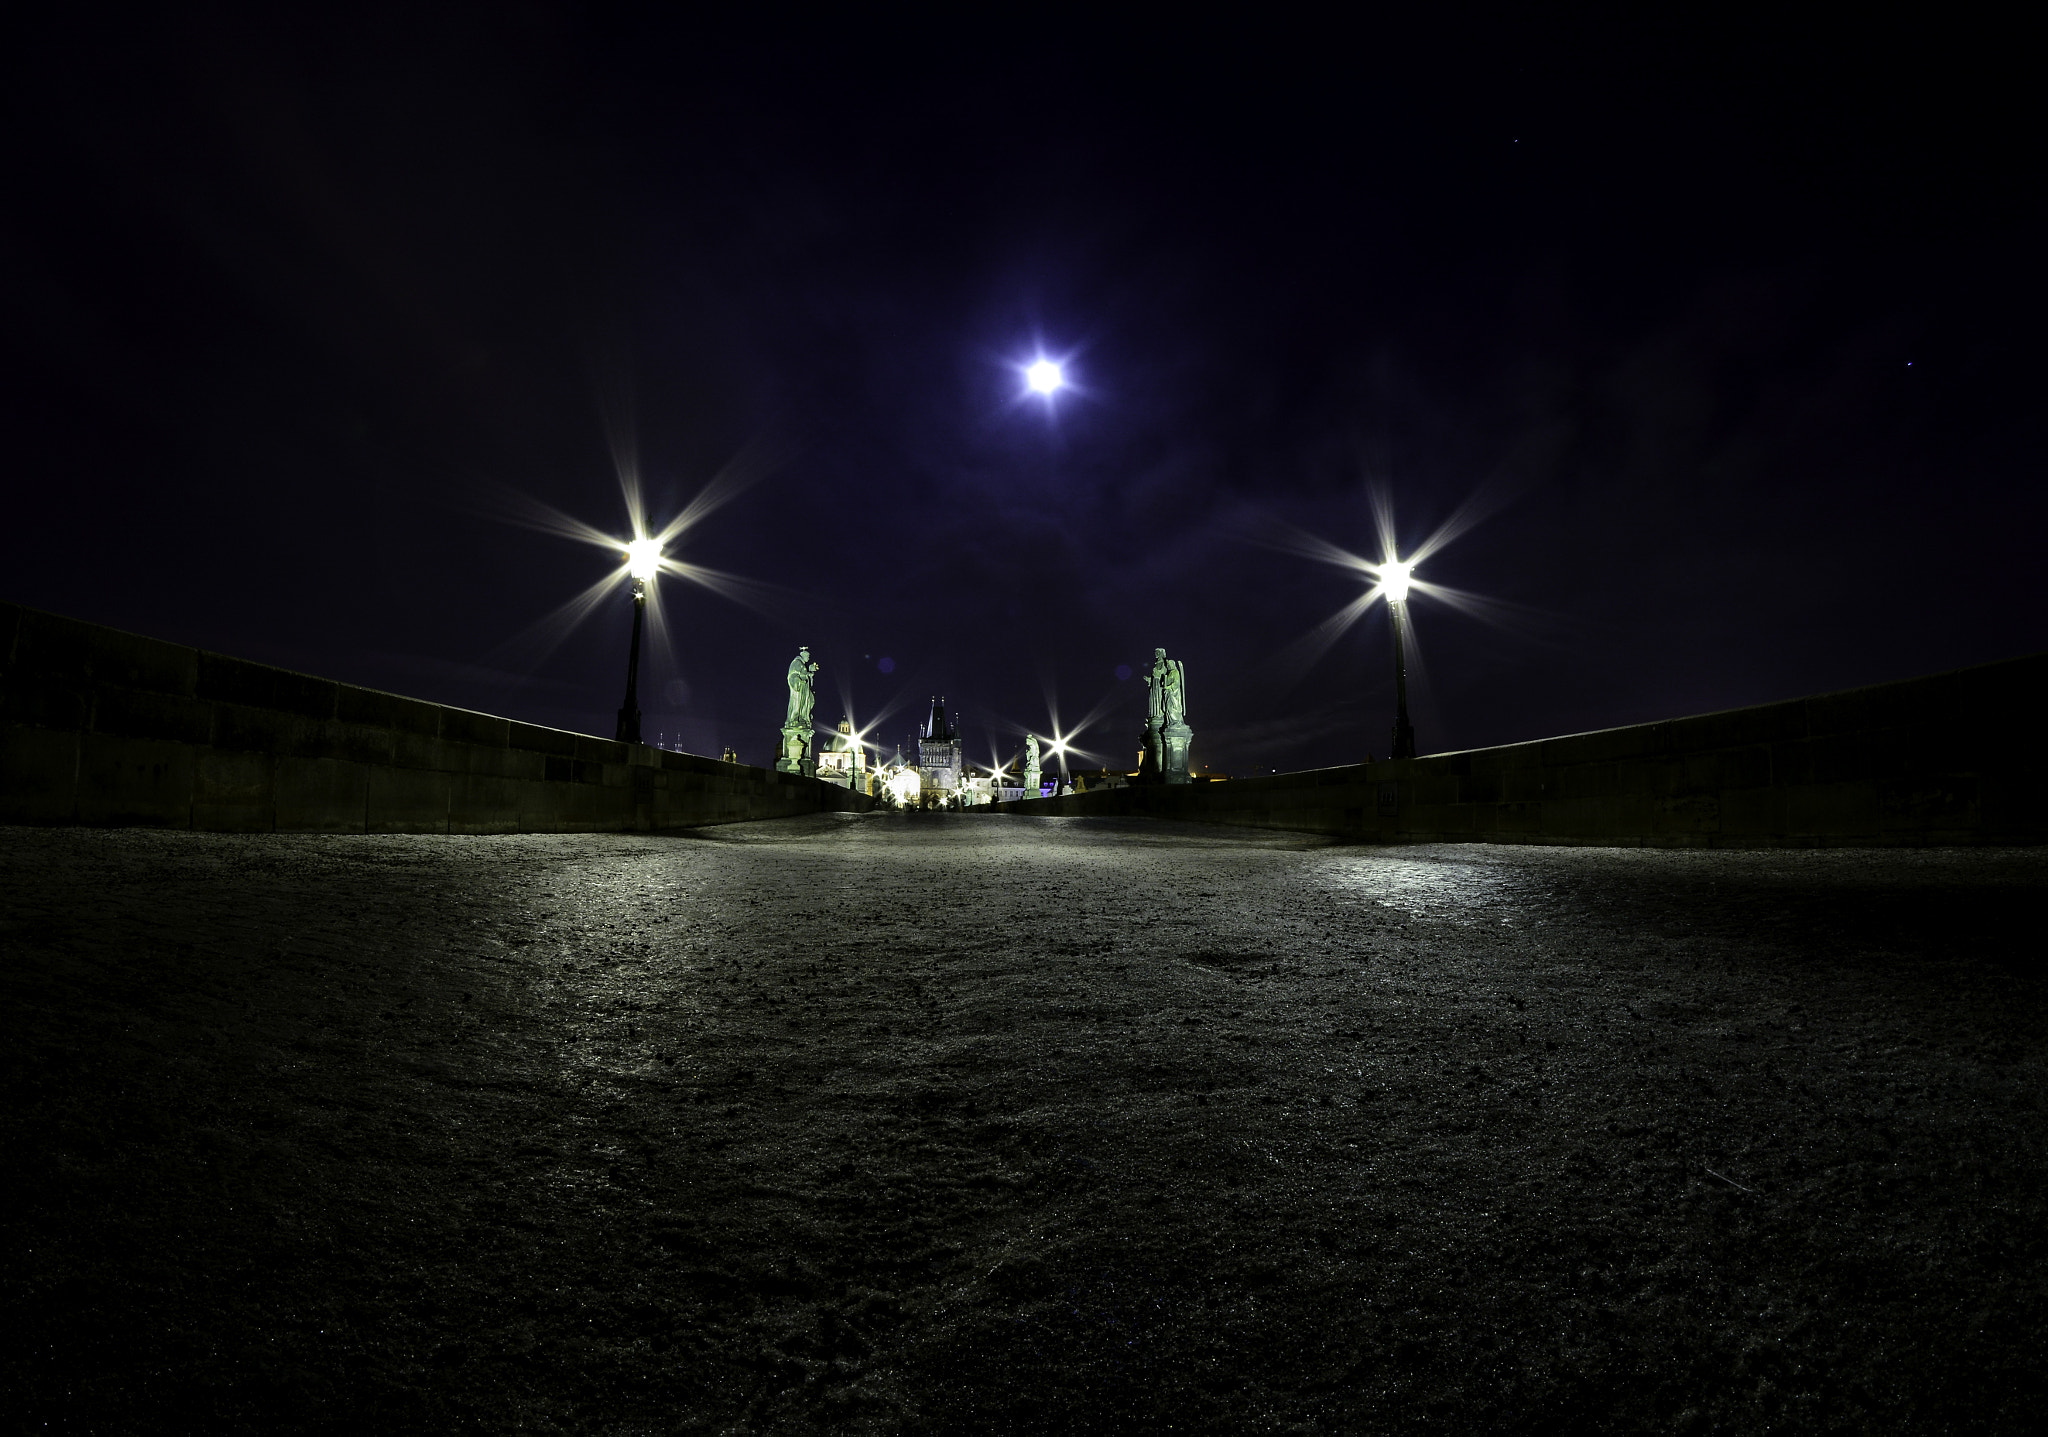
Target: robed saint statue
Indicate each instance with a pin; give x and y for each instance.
(796, 725)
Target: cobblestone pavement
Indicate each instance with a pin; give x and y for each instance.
(979, 1123)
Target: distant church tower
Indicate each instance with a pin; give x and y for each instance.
(938, 748)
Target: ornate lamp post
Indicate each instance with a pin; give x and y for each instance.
(1394, 580)
(643, 557)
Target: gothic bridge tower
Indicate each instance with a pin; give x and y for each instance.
(938, 748)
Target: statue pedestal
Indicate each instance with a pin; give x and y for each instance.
(1174, 738)
(796, 753)
(1149, 755)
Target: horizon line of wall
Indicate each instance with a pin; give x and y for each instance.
(1950, 759)
(107, 728)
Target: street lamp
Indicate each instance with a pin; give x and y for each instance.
(1045, 376)
(1394, 580)
(643, 557)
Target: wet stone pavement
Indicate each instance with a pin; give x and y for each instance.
(988, 1124)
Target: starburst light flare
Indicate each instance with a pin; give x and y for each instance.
(1392, 578)
(1062, 747)
(643, 558)
(1394, 581)
(875, 720)
(640, 557)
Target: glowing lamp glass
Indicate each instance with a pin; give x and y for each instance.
(643, 557)
(1394, 580)
(1044, 377)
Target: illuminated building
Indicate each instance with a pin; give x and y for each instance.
(843, 761)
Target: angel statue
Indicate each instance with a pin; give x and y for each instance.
(1167, 734)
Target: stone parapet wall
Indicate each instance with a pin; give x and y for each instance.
(1954, 758)
(103, 727)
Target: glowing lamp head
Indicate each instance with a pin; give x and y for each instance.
(1044, 377)
(1394, 579)
(643, 557)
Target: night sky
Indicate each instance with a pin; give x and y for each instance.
(1728, 339)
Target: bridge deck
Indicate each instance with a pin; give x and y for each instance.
(922, 1122)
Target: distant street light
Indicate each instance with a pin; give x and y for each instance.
(1044, 377)
(643, 558)
(1394, 580)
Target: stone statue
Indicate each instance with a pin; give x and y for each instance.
(796, 725)
(1170, 683)
(1167, 734)
(1148, 743)
(801, 698)
(1032, 778)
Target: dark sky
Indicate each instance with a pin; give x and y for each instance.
(1732, 335)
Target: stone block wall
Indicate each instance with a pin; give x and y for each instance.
(103, 727)
(1955, 758)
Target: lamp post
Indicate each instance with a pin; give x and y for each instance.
(1394, 580)
(643, 557)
